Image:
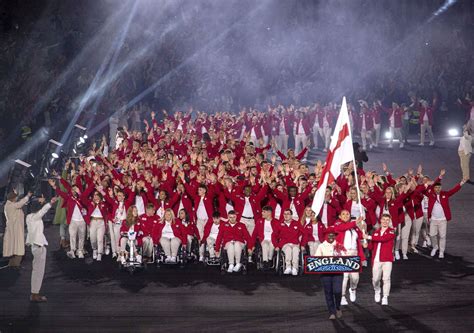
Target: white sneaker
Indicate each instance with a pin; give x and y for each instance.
(431, 143)
(421, 144)
(294, 272)
(167, 259)
(237, 267)
(344, 300)
(352, 295)
(385, 300)
(441, 255)
(231, 268)
(402, 145)
(397, 255)
(71, 254)
(80, 254)
(433, 252)
(99, 257)
(405, 257)
(287, 271)
(325, 150)
(201, 259)
(94, 254)
(107, 250)
(173, 259)
(428, 241)
(139, 258)
(371, 147)
(122, 260)
(425, 244)
(377, 297)
(114, 255)
(250, 258)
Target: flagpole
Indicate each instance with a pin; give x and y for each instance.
(354, 163)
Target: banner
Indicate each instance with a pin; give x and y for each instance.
(326, 265)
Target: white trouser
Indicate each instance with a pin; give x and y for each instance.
(366, 135)
(267, 250)
(39, 262)
(425, 228)
(325, 133)
(381, 271)
(425, 126)
(376, 131)
(438, 227)
(282, 143)
(200, 223)
(352, 277)
(170, 246)
(249, 223)
(255, 141)
(97, 232)
(210, 246)
(395, 133)
(234, 251)
(114, 232)
(415, 231)
(465, 160)
(77, 229)
(300, 142)
(313, 246)
(147, 246)
(292, 255)
(403, 235)
(315, 136)
(265, 140)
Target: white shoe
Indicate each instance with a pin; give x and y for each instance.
(344, 300)
(71, 254)
(94, 254)
(167, 259)
(237, 267)
(441, 255)
(139, 258)
(294, 272)
(122, 260)
(325, 150)
(99, 257)
(385, 300)
(173, 259)
(352, 295)
(250, 258)
(371, 147)
(231, 268)
(114, 255)
(431, 143)
(107, 250)
(433, 252)
(287, 271)
(428, 241)
(377, 297)
(425, 244)
(405, 257)
(397, 255)
(421, 144)
(402, 145)
(201, 259)
(80, 255)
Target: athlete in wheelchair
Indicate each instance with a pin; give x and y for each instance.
(231, 244)
(170, 237)
(289, 257)
(264, 240)
(130, 242)
(211, 230)
(192, 235)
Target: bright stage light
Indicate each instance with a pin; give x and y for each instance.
(46, 170)
(388, 135)
(453, 132)
(55, 155)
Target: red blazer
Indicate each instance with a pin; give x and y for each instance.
(70, 203)
(137, 227)
(298, 157)
(429, 112)
(178, 231)
(333, 209)
(207, 229)
(258, 232)
(341, 227)
(395, 207)
(255, 201)
(385, 241)
(114, 205)
(287, 121)
(443, 200)
(308, 233)
(369, 122)
(103, 208)
(208, 201)
(228, 233)
(288, 234)
(187, 205)
(305, 121)
(299, 201)
(376, 115)
(148, 223)
(398, 113)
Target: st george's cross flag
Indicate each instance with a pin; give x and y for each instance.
(340, 152)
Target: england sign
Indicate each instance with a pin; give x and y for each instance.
(326, 265)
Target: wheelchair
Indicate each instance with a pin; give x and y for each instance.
(192, 253)
(160, 256)
(208, 261)
(280, 262)
(224, 260)
(133, 258)
(257, 256)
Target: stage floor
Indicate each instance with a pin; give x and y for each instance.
(427, 294)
